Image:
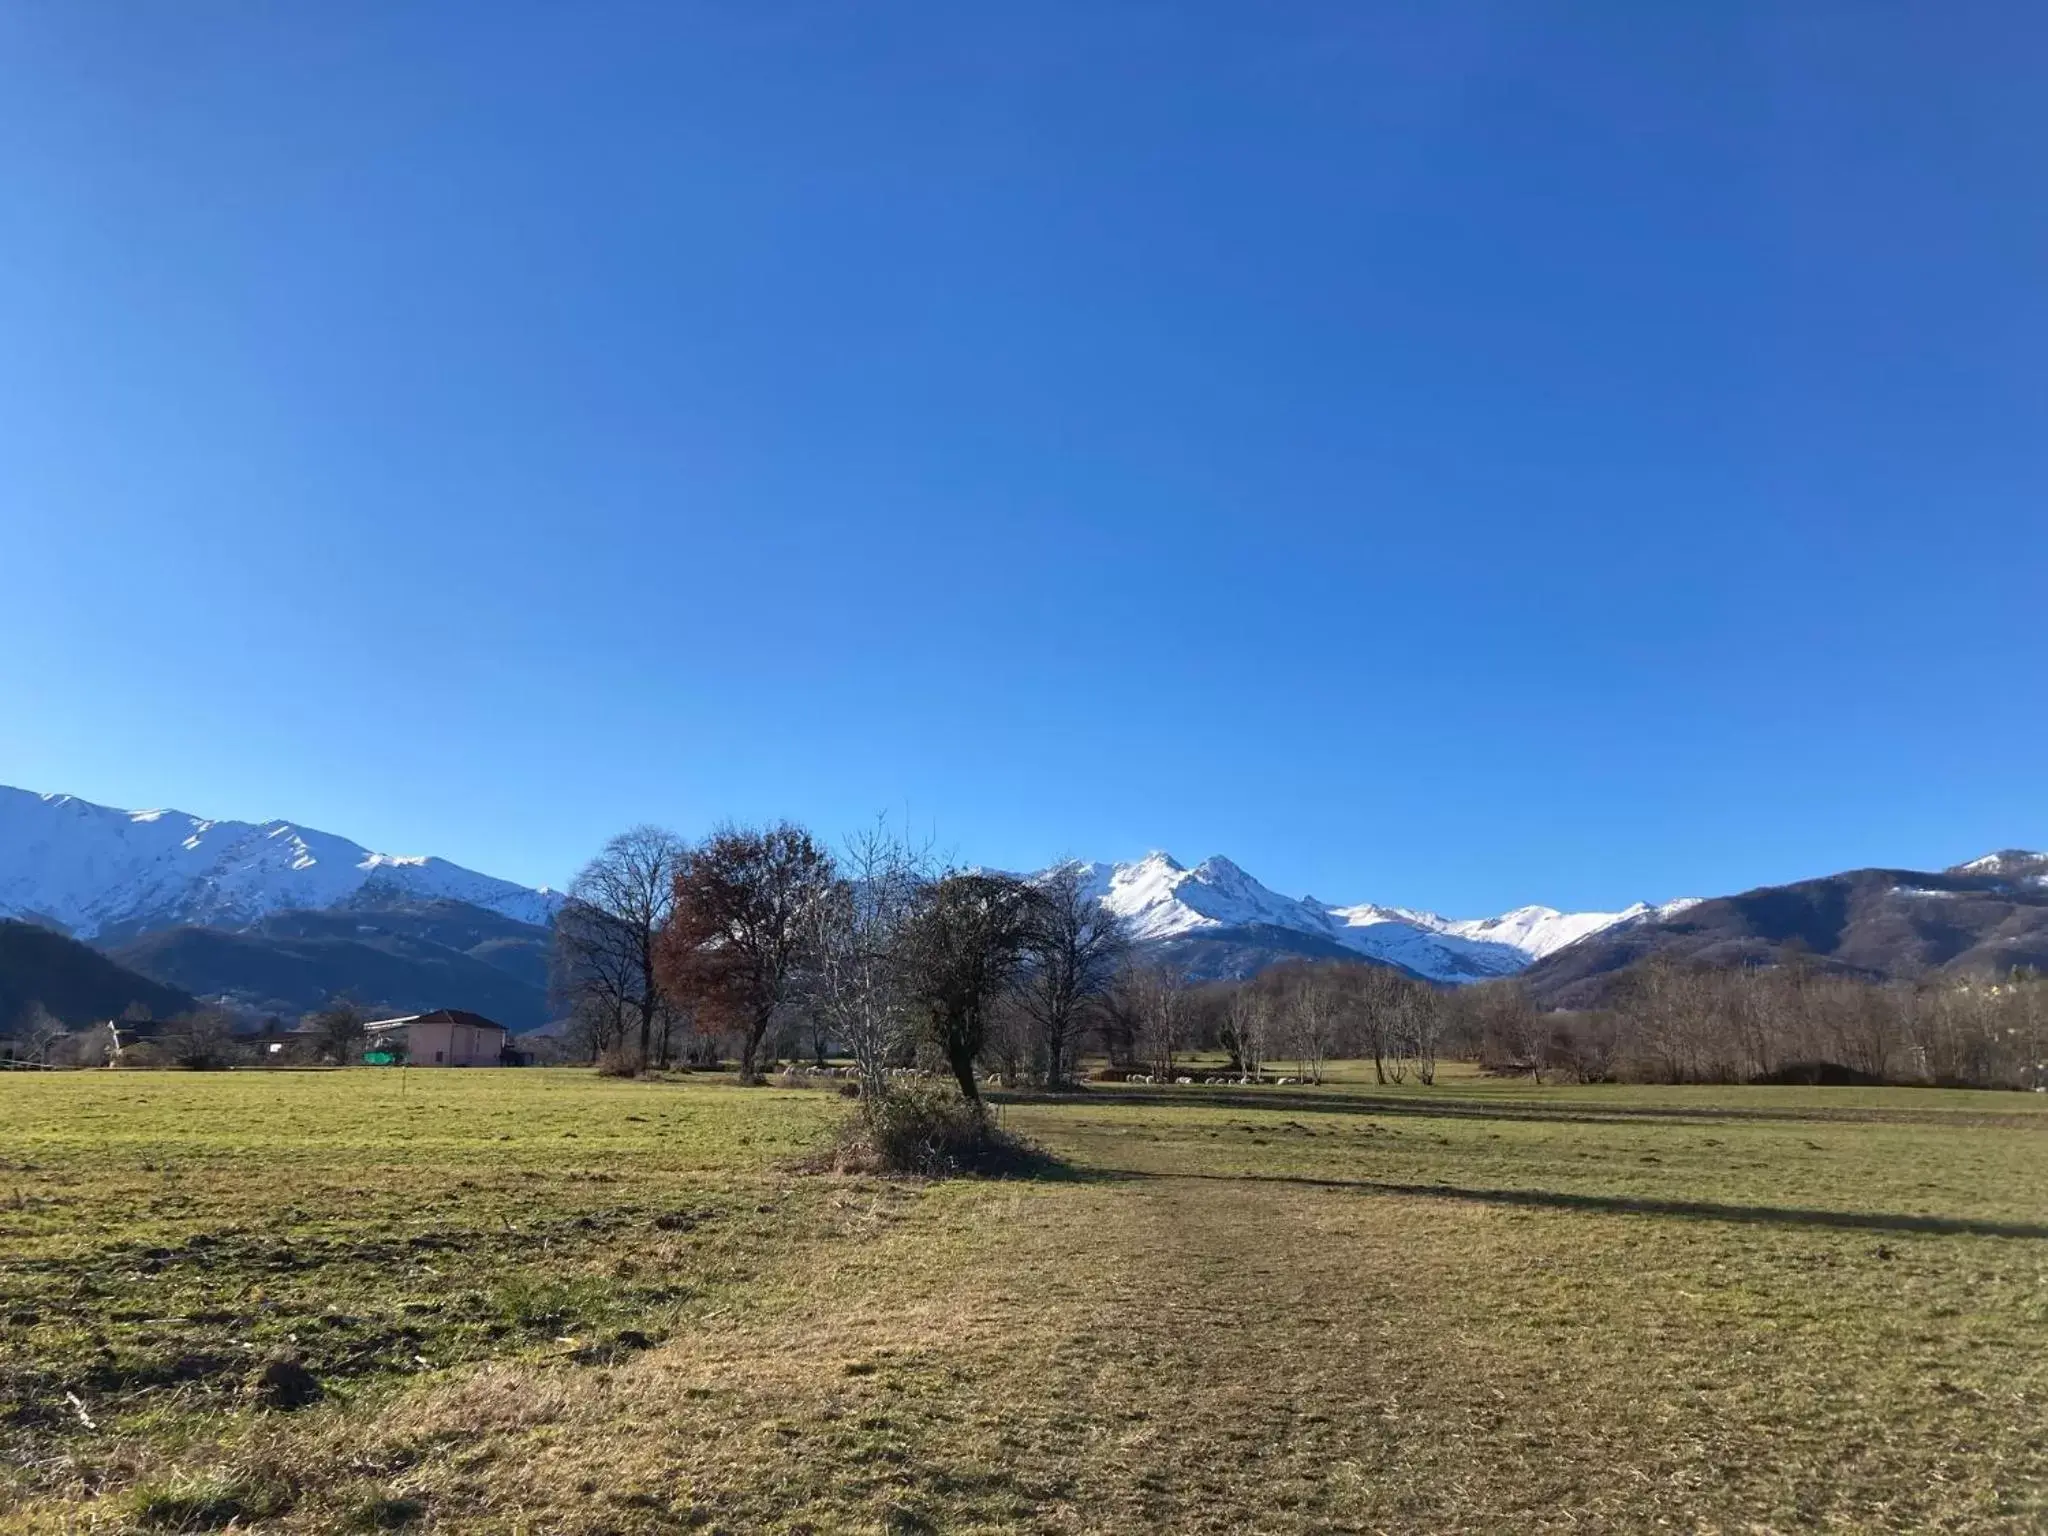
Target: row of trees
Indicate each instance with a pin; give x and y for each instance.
(762, 938)
(1674, 1023)
(201, 1038)
(758, 935)
(1307, 1013)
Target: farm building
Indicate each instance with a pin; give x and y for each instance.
(448, 1037)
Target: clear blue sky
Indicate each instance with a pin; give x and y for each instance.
(1458, 455)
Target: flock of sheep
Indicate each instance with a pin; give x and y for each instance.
(1141, 1077)
(794, 1073)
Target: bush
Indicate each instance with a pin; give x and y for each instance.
(618, 1062)
(927, 1128)
(201, 1041)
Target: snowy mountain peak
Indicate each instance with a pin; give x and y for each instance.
(103, 872)
(93, 869)
(1161, 899)
(2007, 861)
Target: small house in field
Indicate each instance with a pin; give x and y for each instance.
(449, 1037)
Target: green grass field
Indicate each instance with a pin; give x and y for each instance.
(544, 1302)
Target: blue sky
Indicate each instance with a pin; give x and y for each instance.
(1456, 455)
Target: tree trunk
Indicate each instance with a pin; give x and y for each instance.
(646, 1026)
(963, 1072)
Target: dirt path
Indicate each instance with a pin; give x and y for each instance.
(1165, 1353)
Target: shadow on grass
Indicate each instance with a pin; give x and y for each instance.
(1425, 1105)
(1635, 1205)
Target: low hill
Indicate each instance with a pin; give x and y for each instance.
(1980, 919)
(413, 957)
(74, 981)
(519, 949)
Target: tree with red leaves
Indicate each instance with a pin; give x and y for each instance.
(740, 926)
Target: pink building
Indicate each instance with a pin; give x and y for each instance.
(448, 1037)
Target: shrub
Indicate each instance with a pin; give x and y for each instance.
(927, 1128)
(618, 1062)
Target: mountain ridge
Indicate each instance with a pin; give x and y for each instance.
(286, 892)
(115, 876)
(100, 873)
(1165, 901)
(76, 983)
(1974, 920)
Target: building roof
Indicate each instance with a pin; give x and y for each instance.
(439, 1016)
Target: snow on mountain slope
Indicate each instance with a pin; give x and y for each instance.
(92, 868)
(1163, 899)
(2007, 861)
(1539, 931)
(98, 872)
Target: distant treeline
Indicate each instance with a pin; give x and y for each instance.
(762, 943)
(1680, 1023)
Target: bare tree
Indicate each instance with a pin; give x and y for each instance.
(1424, 1018)
(742, 921)
(1162, 1013)
(37, 1029)
(1247, 1026)
(1121, 1016)
(1508, 1026)
(202, 1040)
(1378, 1006)
(1314, 1012)
(606, 936)
(962, 947)
(1011, 1047)
(856, 948)
(338, 1030)
(595, 1026)
(1075, 946)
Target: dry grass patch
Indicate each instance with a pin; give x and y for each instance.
(1341, 1310)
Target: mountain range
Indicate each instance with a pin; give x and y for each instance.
(279, 917)
(104, 874)
(1982, 919)
(1218, 920)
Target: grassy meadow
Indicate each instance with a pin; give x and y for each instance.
(540, 1301)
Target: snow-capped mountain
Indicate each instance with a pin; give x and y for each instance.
(2011, 863)
(1164, 900)
(109, 875)
(94, 870)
